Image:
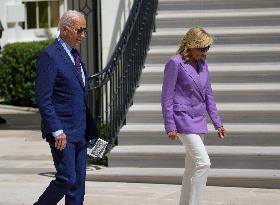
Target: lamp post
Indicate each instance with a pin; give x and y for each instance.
(1, 30)
(2, 121)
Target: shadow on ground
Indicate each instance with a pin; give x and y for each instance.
(21, 121)
(47, 174)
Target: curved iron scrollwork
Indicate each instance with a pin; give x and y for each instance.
(114, 86)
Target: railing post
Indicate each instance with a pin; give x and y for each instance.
(117, 82)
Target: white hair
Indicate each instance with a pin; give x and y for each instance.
(67, 18)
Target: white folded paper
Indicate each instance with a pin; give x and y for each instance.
(98, 148)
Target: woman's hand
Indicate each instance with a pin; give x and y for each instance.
(222, 133)
(172, 135)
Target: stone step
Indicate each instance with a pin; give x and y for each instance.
(217, 177)
(251, 53)
(18, 166)
(11, 109)
(222, 35)
(179, 5)
(218, 18)
(229, 113)
(22, 149)
(224, 92)
(25, 135)
(238, 135)
(223, 73)
(226, 157)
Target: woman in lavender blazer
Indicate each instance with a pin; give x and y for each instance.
(186, 97)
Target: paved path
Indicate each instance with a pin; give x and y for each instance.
(26, 169)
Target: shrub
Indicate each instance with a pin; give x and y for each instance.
(17, 72)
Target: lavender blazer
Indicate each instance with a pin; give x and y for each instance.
(186, 96)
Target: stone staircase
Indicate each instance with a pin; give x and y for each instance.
(245, 69)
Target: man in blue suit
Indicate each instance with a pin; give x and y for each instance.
(61, 94)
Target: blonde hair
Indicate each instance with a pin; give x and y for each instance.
(194, 38)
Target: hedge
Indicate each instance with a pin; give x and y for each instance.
(17, 72)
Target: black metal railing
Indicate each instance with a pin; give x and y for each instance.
(114, 86)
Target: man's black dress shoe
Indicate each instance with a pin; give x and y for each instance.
(2, 120)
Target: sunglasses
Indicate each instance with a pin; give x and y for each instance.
(79, 31)
(203, 50)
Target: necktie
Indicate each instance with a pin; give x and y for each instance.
(77, 61)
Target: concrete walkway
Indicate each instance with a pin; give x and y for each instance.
(26, 169)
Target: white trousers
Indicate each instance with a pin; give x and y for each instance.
(197, 165)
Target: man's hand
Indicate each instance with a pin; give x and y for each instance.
(172, 135)
(60, 142)
(222, 133)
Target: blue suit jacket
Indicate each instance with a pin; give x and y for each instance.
(61, 96)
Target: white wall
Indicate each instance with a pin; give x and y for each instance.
(7, 33)
(14, 33)
(114, 14)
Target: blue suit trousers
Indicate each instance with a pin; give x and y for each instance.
(70, 165)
